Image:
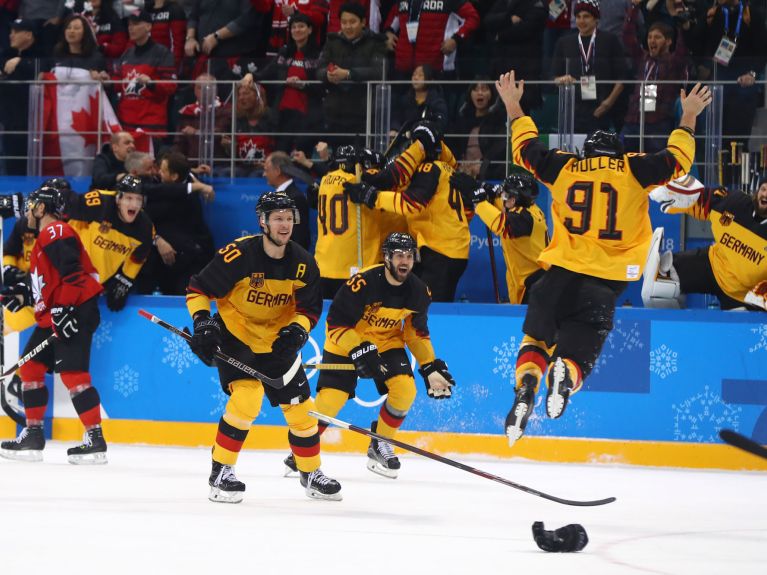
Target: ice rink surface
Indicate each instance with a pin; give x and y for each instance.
(147, 512)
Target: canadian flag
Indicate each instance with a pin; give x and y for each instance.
(71, 122)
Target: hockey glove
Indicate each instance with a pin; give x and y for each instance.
(758, 295)
(471, 191)
(566, 539)
(438, 380)
(362, 193)
(117, 288)
(677, 195)
(206, 337)
(12, 206)
(368, 361)
(16, 296)
(430, 136)
(290, 340)
(65, 324)
(13, 275)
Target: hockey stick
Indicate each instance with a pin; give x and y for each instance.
(276, 383)
(459, 465)
(490, 247)
(330, 366)
(742, 442)
(17, 417)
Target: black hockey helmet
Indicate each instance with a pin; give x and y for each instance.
(522, 186)
(346, 157)
(276, 201)
(58, 183)
(400, 242)
(602, 143)
(130, 185)
(371, 159)
(53, 199)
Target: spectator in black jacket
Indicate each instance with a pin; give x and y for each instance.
(109, 165)
(478, 133)
(276, 171)
(19, 63)
(585, 58)
(424, 99)
(515, 29)
(349, 60)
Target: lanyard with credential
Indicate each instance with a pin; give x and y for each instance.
(414, 10)
(587, 56)
(726, 12)
(649, 67)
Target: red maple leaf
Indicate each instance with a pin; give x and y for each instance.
(85, 121)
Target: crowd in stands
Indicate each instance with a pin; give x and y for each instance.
(306, 64)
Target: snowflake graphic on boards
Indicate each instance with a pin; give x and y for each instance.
(219, 398)
(700, 418)
(506, 358)
(663, 361)
(761, 332)
(126, 381)
(177, 354)
(103, 334)
(622, 338)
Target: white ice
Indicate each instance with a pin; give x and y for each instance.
(147, 512)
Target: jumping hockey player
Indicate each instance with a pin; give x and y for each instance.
(63, 289)
(373, 316)
(600, 242)
(267, 289)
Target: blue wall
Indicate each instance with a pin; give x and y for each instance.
(663, 375)
(232, 215)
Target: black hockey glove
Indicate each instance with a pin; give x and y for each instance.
(13, 275)
(471, 191)
(439, 382)
(368, 361)
(65, 324)
(117, 288)
(206, 337)
(361, 193)
(12, 206)
(566, 539)
(290, 340)
(430, 136)
(16, 296)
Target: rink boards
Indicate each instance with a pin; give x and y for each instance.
(665, 384)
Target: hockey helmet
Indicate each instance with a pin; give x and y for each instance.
(602, 143)
(274, 202)
(346, 157)
(58, 183)
(400, 242)
(52, 198)
(130, 185)
(521, 186)
(371, 159)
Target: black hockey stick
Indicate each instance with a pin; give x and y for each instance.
(742, 442)
(459, 465)
(12, 413)
(276, 383)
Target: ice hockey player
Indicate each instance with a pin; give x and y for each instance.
(64, 292)
(267, 289)
(373, 316)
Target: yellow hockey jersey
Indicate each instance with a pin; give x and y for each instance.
(257, 295)
(600, 205)
(523, 234)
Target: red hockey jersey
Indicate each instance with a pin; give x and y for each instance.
(60, 271)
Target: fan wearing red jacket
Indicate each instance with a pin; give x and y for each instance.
(428, 32)
(168, 26)
(143, 99)
(63, 287)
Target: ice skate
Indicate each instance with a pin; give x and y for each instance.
(290, 465)
(224, 485)
(381, 458)
(320, 486)
(28, 446)
(92, 451)
(523, 406)
(559, 387)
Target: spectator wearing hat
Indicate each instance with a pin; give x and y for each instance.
(146, 76)
(20, 62)
(586, 58)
